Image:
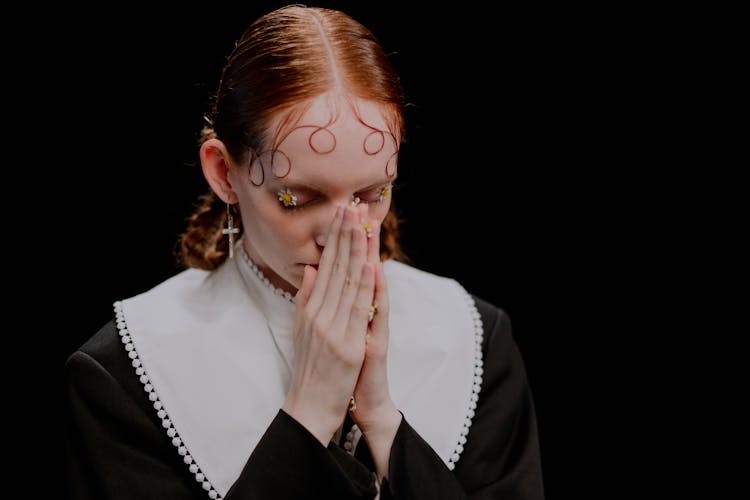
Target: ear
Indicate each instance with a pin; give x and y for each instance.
(216, 162)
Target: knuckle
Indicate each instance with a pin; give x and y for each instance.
(307, 316)
(350, 356)
(319, 329)
(352, 281)
(367, 277)
(360, 310)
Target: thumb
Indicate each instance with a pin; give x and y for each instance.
(305, 290)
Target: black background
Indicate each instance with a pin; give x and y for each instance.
(516, 180)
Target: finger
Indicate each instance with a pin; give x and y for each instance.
(303, 295)
(357, 258)
(340, 267)
(372, 229)
(355, 323)
(373, 243)
(381, 300)
(326, 261)
(304, 292)
(362, 212)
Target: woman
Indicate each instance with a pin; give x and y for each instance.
(298, 356)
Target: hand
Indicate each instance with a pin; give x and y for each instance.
(333, 305)
(376, 414)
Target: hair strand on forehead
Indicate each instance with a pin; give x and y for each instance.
(285, 59)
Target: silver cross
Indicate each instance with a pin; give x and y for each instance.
(230, 231)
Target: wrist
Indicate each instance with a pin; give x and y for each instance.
(380, 436)
(319, 424)
(383, 422)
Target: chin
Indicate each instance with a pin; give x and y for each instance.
(295, 276)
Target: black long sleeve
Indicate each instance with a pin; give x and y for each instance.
(501, 457)
(117, 448)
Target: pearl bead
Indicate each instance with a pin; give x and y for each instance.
(176, 441)
(206, 485)
(171, 432)
(276, 291)
(212, 494)
(200, 477)
(193, 468)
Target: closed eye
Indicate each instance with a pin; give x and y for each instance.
(375, 195)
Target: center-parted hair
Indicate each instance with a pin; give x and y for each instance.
(286, 58)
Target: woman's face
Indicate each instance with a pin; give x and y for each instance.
(315, 168)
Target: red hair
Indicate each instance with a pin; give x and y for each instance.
(284, 59)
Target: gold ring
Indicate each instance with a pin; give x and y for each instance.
(352, 404)
(373, 312)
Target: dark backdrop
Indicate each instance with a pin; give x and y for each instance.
(501, 182)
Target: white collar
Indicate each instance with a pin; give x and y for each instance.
(214, 351)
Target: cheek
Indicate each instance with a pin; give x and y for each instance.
(270, 226)
(378, 211)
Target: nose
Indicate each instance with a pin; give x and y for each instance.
(320, 238)
(323, 227)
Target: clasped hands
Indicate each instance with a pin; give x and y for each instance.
(340, 346)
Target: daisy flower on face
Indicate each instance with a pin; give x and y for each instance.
(386, 192)
(287, 198)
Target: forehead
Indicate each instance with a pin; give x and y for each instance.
(334, 138)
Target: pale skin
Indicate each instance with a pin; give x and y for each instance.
(319, 251)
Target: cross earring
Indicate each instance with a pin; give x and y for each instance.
(230, 231)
